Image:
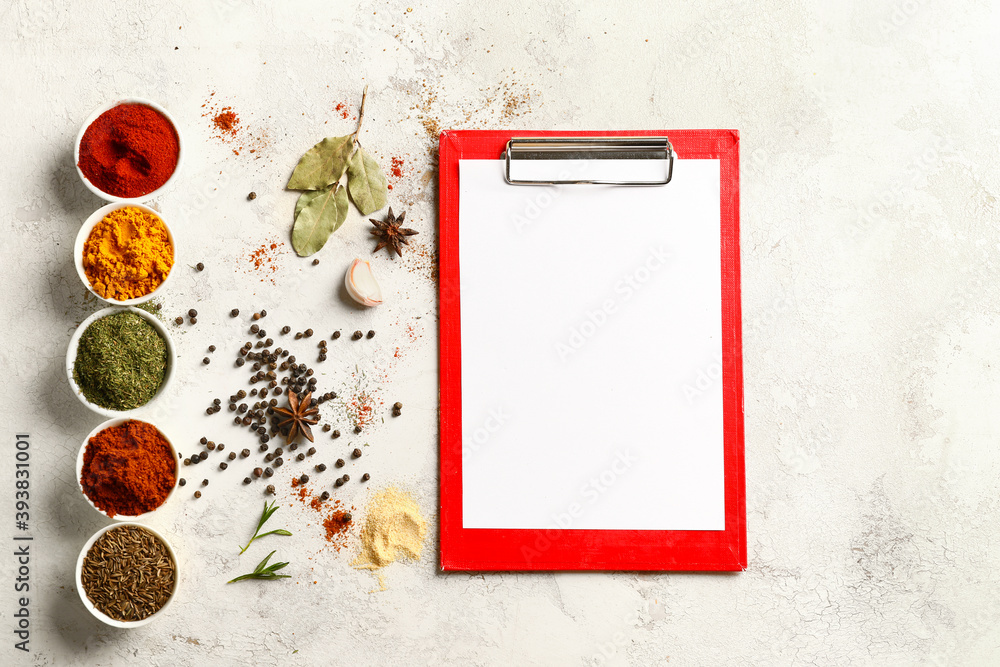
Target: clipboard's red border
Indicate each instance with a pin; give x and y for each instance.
(480, 549)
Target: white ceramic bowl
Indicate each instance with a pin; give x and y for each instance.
(101, 616)
(84, 234)
(94, 116)
(74, 341)
(79, 470)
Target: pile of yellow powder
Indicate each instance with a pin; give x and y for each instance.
(128, 254)
(393, 529)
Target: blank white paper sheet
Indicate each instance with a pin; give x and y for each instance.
(591, 351)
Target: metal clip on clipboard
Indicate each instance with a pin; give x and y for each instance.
(588, 148)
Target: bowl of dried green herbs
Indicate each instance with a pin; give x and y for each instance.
(120, 360)
(127, 575)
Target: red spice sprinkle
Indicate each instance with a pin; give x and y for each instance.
(226, 121)
(396, 170)
(336, 523)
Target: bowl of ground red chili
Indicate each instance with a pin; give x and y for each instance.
(128, 150)
(127, 469)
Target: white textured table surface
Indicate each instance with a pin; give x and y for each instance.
(870, 247)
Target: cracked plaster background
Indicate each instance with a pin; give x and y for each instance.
(869, 142)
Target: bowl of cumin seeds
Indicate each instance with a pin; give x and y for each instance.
(126, 575)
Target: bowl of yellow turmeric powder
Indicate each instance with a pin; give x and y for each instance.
(124, 253)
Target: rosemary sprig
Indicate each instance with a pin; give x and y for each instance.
(268, 511)
(264, 571)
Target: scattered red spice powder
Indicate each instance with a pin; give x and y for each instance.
(338, 517)
(226, 121)
(341, 108)
(396, 170)
(264, 260)
(361, 408)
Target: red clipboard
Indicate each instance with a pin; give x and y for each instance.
(483, 549)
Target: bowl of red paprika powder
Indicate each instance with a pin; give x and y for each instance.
(128, 150)
(127, 469)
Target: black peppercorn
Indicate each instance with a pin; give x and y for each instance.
(197, 494)
(321, 467)
(336, 434)
(268, 472)
(203, 440)
(336, 335)
(346, 478)
(347, 517)
(182, 481)
(194, 320)
(311, 451)
(356, 453)
(315, 262)
(308, 333)
(338, 482)
(247, 480)
(223, 465)
(278, 462)
(285, 329)
(371, 333)
(263, 313)
(263, 447)
(357, 429)
(241, 394)
(178, 320)
(357, 335)
(325, 495)
(269, 457)
(204, 482)
(303, 479)
(253, 327)
(245, 453)
(203, 456)
(300, 457)
(270, 489)
(192, 313)
(365, 477)
(199, 266)
(298, 335)
(339, 463)
(232, 456)
(234, 312)
(187, 462)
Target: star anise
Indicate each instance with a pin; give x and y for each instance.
(298, 415)
(389, 233)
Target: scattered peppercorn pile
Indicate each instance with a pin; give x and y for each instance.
(260, 409)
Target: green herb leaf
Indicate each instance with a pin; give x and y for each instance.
(366, 182)
(321, 213)
(263, 571)
(265, 515)
(323, 164)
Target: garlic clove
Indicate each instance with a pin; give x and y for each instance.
(361, 284)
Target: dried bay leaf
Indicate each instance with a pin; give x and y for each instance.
(319, 213)
(323, 164)
(366, 182)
